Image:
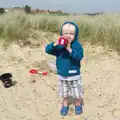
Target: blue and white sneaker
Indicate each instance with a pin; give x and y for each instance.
(64, 110)
(78, 110)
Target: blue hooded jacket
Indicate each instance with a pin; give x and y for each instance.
(68, 64)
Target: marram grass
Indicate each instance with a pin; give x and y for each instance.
(103, 29)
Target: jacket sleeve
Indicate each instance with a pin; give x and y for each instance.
(77, 53)
(53, 50)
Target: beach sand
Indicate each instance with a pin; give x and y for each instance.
(40, 101)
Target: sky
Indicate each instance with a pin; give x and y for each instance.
(74, 6)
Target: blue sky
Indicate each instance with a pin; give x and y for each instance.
(79, 6)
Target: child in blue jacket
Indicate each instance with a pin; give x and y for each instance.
(68, 65)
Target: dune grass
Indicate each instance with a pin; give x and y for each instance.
(102, 29)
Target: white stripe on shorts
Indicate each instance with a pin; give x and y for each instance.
(71, 88)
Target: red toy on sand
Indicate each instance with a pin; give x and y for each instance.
(34, 71)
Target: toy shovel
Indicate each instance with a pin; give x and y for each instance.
(34, 71)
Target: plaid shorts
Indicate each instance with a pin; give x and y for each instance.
(71, 88)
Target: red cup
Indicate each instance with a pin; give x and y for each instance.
(62, 41)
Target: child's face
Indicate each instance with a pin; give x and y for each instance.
(68, 31)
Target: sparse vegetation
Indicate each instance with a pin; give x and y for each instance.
(2, 10)
(27, 9)
(102, 29)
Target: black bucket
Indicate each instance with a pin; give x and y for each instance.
(6, 78)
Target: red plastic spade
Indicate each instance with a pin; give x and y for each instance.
(34, 71)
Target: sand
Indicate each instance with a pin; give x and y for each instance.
(40, 101)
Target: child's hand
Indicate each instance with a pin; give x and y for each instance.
(56, 43)
(69, 40)
(68, 47)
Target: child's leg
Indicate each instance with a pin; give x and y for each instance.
(78, 106)
(65, 107)
(65, 101)
(77, 91)
(78, 102)
(63, 92)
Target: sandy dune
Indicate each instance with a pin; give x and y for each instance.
(40, 101)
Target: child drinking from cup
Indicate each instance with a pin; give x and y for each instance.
(68, 54)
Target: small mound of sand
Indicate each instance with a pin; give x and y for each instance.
(43, 65)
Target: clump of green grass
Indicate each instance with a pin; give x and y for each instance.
(106, 31)
(102, 29)
(45, 23)
(14, 26)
